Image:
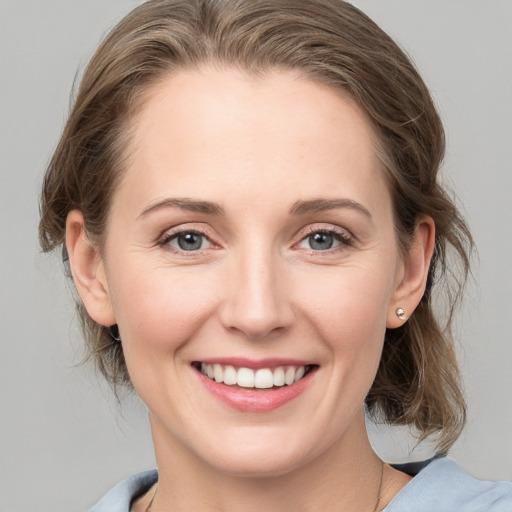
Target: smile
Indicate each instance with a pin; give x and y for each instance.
(262, 378)
(255, 387)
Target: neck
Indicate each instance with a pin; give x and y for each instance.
(346, 477)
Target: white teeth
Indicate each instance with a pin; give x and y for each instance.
(218, 374)
(289, 377)
(230, 376)
(263, 378)
(279, 377)
(245, 378)
(299, 373)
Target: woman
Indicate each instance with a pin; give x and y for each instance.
(247, 195)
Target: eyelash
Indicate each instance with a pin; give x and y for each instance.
(345, 240)
(173, 235)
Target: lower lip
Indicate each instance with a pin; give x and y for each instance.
(251, 400)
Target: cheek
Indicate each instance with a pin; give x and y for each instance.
(159, 312)
(160, 309)
(348, 307)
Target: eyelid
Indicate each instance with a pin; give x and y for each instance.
(343, 235)
(172, 233)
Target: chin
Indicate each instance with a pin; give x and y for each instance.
(262, 457)
(266, 465)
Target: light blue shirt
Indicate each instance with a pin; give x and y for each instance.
(441, 486)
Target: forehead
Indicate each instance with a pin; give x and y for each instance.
(228, 128)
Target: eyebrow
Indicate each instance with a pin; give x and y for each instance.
(191, 205)
(298, 208)
(318, 205)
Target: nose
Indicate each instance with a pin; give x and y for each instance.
(258, 300)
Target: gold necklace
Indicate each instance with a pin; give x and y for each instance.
(148, 508)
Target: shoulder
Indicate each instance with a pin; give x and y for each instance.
(445, 487)
(119, 498)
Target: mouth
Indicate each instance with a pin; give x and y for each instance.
(256, 379)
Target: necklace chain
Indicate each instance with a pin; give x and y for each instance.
(148, 508)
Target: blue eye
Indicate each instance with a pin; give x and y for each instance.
(189, 241)
(321, 241)
(324, 240)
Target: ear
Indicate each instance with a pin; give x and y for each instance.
(412, 281)
(88, 271)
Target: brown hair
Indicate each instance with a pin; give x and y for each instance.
(331, 42)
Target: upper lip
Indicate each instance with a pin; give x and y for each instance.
(255, 364)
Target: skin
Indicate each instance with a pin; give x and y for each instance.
(256, 148)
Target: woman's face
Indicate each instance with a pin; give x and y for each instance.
(252, 239)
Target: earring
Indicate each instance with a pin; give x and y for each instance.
(400, 313)
(113, 330)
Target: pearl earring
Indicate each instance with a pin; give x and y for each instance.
(400, 313)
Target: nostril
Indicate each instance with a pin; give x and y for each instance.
(257, 332)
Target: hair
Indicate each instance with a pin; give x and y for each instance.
(330, 42)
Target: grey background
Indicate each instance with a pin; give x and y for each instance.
(63, 439)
